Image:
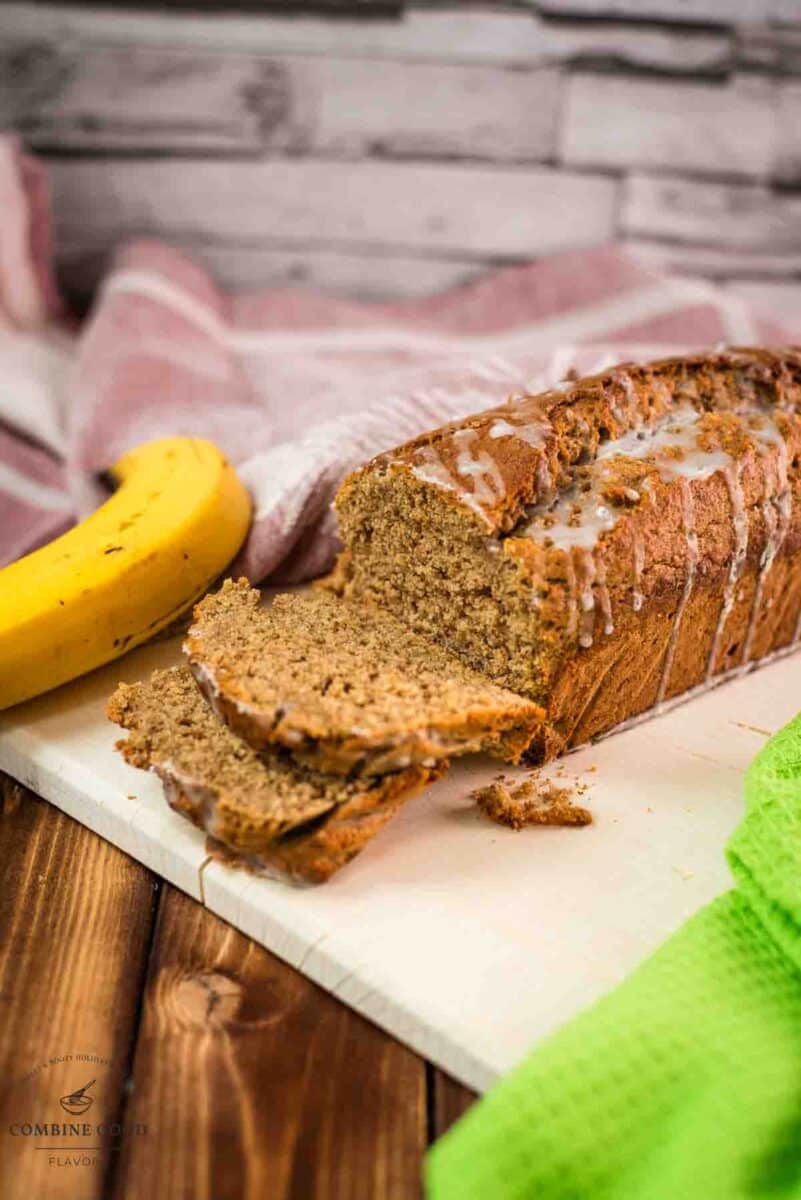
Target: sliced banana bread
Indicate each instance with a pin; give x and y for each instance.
(345, 689)
(288, 820)
(602, 548)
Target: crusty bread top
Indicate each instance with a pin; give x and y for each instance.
(344, 687)
(497, 464)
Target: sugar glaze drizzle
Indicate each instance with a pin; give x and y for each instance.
(777, 512)
(430, 468)
(588, 574)
(575, 520)
(732, 475)
(572, 602)
(481, 468)
(602, 593)
(692, 693)
(488, 482)
(688, 522)
(532, 432)
(638, 566)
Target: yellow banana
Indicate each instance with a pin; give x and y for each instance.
(177, 519)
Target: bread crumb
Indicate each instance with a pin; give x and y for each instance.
(684, 872)
(535, 801)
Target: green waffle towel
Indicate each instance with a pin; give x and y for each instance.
(685, 1082)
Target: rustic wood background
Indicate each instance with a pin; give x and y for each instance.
(388, 150)
(252, 1081)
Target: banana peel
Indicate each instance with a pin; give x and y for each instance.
(129, 570)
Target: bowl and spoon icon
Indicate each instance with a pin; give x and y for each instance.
(77, 1102)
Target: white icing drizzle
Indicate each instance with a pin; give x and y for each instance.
(488, 486)
(622, 377)
(544, 480)
(627, 382)
(488, 482)
(565, 529)
(430, 468)
(604, 603)
(587, 598)
(677, 431)
(206, 680)
(692, 693)
(577, 518)
(688, 521)
(572, 598)
(776, 512)
(532, 432)
(501, 428)
(740, 527)
(638, 564)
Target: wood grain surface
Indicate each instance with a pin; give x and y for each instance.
(705, 128)
(743, 217)
(229, 1074)
(450, 1101)
(611, 116)
(449, 33)
(113, 98)
(75, 923)
(721, 11)
(512, 212)
(254, 1082)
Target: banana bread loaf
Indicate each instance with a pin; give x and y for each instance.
(601, 548)
(286, 820)
(345, 689)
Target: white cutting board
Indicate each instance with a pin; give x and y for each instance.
(467, 941)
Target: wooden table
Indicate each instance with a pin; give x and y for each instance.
(250, 1080)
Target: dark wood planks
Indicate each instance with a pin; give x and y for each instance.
(253, 1082)
(248, 1080)
(75, 923)
(450, 1100)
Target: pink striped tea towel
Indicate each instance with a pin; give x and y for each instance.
(297, 388)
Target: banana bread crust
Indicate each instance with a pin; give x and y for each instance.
(534, 442)
(306, 856)
(602, 548)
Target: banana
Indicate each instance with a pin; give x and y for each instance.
(177, 519)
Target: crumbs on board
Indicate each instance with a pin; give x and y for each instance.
(535, 801)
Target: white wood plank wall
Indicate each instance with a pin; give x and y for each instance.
(393, 155)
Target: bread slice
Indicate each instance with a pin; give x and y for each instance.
(346, 690)
(286, 820)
